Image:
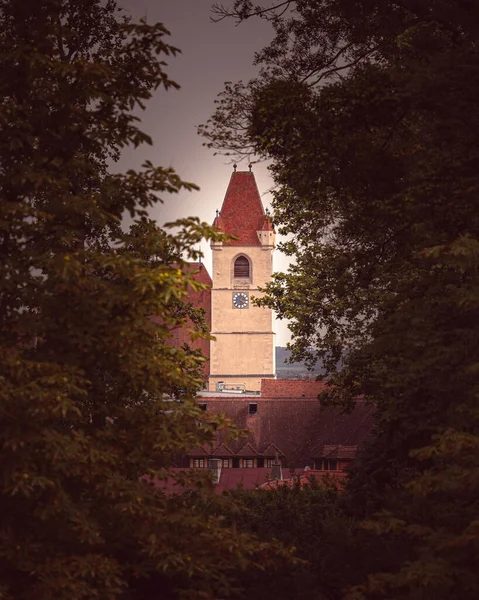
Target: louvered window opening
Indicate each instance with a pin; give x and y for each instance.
(241, 270)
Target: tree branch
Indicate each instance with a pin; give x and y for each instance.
(61, 49)
(330, 62)
(351, 64)
(243, 15)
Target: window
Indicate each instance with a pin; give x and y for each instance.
(248, 463)
(269, 462)
(330, 464)
(241, 268)
(198, 463)
(252, 408)
(225, 463)
(202, 405)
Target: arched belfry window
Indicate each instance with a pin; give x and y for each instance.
(241, 268)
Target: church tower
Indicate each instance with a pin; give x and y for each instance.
(243, 351)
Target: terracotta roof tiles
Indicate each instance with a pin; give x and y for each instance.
(300, 427)
(338, 451)
(222, 450)
(199, 299)
(247, 450)
(292, 388)
(272, 450)
(306, 478)
(242, 213)
(199, 451)
(267, 224)
(249, 479)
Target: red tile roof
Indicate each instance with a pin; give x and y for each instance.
(230, 479)
(242, 213)
(249, 479)
(299, 427)
(271, 451)
(200, 451)
(222, 451)
(331, 451)
(292, 388)
(199, 299)
(267, 224)
(306, 477)
(200, 272)
(247, 451)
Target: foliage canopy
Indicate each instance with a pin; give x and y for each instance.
(368, 112)
(85, 375)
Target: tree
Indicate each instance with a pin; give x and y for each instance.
(315, 520)
(85, 373)
(309, 518)
(184, 315)
(367, 112)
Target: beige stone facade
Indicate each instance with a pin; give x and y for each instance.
(243, 349)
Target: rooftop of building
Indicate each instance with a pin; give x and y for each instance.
(307, 478)
(300, 428)
(257, 478)
(229, 479)
(274, 388)
(242, 213)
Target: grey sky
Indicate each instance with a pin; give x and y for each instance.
(211, 53)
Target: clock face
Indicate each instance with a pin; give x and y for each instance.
(240, 300)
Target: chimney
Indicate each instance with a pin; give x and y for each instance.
(214, 465)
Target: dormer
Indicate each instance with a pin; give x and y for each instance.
(198, 457)
(273, 456)
(248, 457)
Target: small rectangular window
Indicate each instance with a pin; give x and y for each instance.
(252, 408)
(198, 463)
(330, 465)
(248, 463)
(202, 405)
(226, 463)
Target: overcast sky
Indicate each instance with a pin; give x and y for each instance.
(211, 53)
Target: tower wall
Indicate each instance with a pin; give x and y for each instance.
(243, 349)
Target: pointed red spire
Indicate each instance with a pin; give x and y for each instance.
(267, 224)
(218, 223)
(242, 213)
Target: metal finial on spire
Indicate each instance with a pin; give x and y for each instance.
(250, 167)
(234, 168)
(217, 213)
